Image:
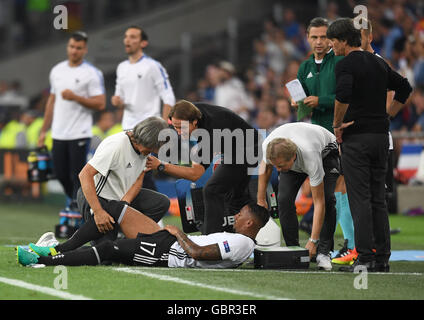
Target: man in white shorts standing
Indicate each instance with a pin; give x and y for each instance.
(299, 150)
(76, 90)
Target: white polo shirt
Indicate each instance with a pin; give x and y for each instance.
(142, 86)
(235, 249)
(71, 120)
(118, 165)
(311, 140)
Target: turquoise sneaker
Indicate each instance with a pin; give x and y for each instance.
(24, 257)
(43, 251)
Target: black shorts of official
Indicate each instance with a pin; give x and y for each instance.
(152, 250)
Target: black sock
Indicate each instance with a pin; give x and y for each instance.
(87, 232)
(106, 251)
(77, 257)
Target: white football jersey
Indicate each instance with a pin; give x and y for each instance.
(71, 120)
(118, 165)
(235, 249)
(142, 86)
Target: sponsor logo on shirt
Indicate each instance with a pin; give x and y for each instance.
(310, 75)
(129, 165)
(226, 246)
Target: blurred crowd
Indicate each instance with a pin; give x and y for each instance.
(257, 93)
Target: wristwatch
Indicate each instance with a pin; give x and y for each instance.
(313, 240)
(161, 167)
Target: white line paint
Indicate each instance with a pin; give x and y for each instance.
(289, 271)
(198, 284)
(46, 290)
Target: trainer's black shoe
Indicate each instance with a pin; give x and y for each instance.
(368, 266)
(382, 267)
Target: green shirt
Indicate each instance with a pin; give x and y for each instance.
(321, 84)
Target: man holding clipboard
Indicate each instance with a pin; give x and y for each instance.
(317, 77)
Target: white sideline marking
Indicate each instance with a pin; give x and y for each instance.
(46, 290)
(288, 271)
(198, 284)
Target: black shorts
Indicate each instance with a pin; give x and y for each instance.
(152, 249)
(113, 207)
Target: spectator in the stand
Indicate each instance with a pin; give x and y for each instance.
(283, 111)
(280, 51)
(105, 120)
(11, 95)
(266, 119)
(33, 122)
(231, 92)
(418, 100)
(12, 133)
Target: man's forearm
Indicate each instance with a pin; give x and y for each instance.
(97, 103)
(192, 173)
(263, 180)
(339, 113)
(210, 252)
(134, 190)
(394, 108)
(318, 220)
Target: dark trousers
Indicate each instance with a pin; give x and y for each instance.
(364, 161)
(151, 203)
(224, 194)
(69, 157)
(288, 187)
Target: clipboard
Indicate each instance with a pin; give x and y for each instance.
(298, 94)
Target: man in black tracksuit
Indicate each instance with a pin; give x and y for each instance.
(361, 124)
(225, 192)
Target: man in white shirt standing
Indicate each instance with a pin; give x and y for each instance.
(231, 93)
(299, 150)
(76, 90)
(141, 82)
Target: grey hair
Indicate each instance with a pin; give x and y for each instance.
(147, 132)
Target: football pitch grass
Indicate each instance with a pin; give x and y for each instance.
(24, 223)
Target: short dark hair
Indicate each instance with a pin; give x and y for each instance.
(79, 36)
(142, 32)
(185, 110)
(343, 29)
(316, 23)
(260, 213)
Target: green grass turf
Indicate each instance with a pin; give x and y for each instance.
(23, 223)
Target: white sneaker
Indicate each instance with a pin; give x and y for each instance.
(47, 240)
(324, 262)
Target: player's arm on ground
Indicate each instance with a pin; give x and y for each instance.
(265, 171)
(209, 252)
(48, 117)
(103, 220)
(192, 173)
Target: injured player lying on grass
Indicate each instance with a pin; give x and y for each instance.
(146, 244)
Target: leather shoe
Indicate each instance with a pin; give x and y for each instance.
(382, 267)
(369, 266)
